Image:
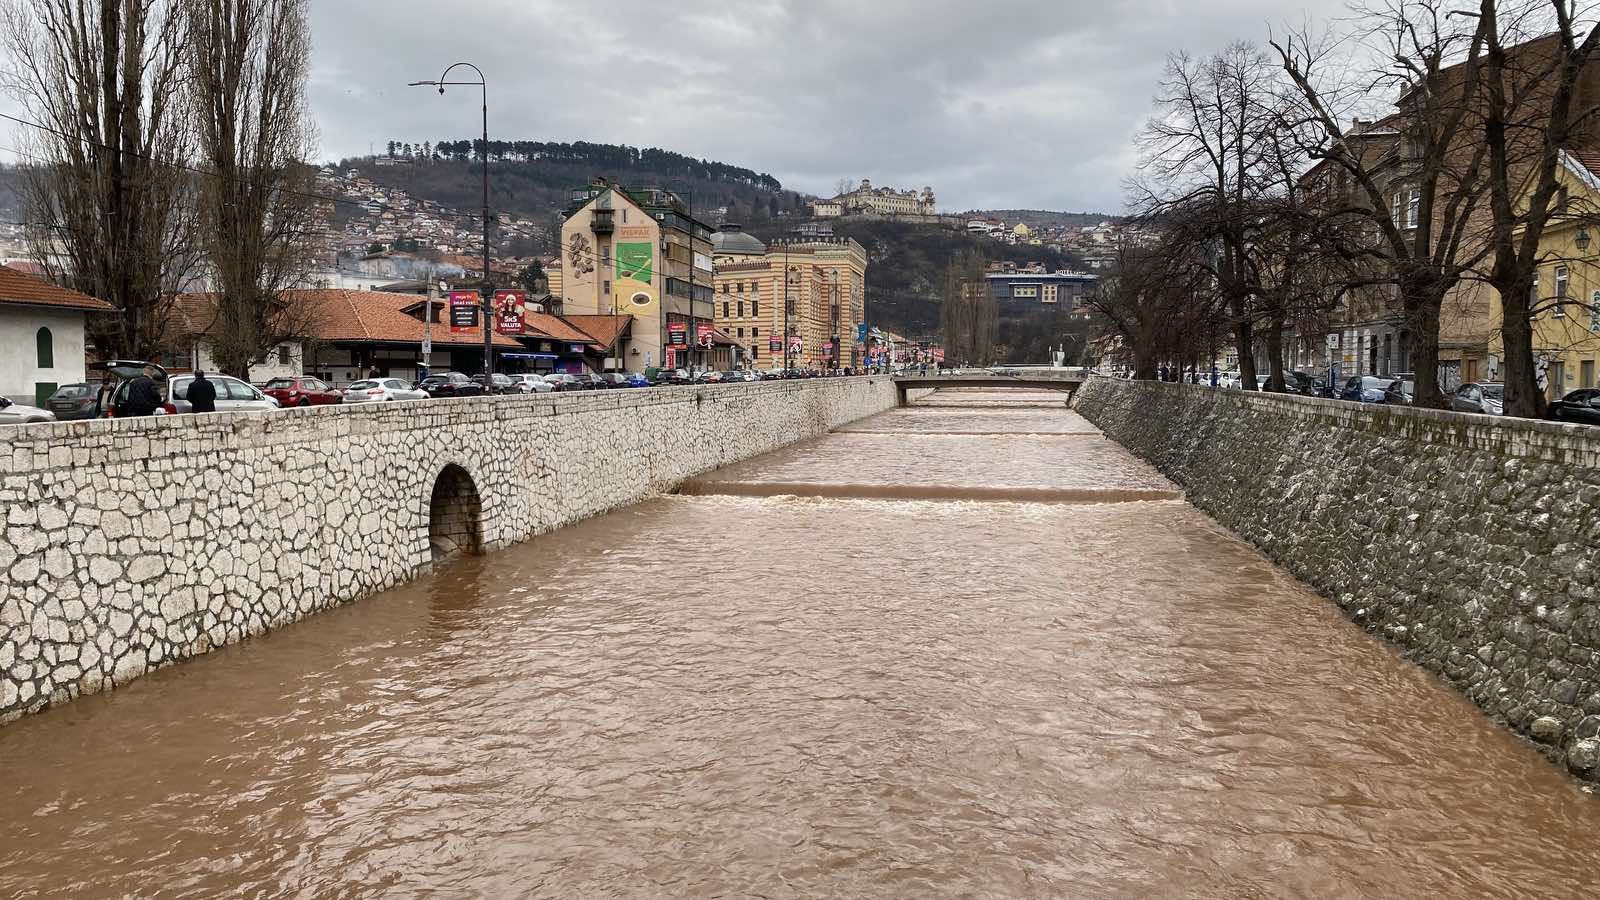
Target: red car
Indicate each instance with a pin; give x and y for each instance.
(301, 392)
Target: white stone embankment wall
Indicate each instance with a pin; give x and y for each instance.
(1471, 542)
(132, 544)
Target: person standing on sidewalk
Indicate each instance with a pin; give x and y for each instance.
(143, 398)
(202, 394)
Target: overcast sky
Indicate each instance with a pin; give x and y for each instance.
(995, 103)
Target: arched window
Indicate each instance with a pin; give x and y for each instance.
(47, 349)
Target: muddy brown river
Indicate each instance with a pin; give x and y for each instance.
(1086, 691)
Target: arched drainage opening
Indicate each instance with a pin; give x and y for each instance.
(455, 515)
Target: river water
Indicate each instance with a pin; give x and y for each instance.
(1091, 692)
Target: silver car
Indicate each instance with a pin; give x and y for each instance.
(532, 384)
(19, 414)
(382, 390)
(233, 395)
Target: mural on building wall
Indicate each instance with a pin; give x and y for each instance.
(635, 269)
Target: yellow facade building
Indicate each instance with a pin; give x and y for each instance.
(812, 290)
(1566, 328)
(640, 253)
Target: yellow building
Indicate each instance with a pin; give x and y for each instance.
(1566, 328)
(825, 290)
(640, 253)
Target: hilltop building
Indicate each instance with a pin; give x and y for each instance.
(812, 290)
(868, 200)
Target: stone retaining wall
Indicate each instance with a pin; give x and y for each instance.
(131, 544)
(1472, 543)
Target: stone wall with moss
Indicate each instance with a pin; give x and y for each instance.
(131, 544)
(1472, 543)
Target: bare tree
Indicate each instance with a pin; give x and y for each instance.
(1415, 178)
(968, 313)
(249, 61)
(107, 193)
(1531, 113)
(1206, 148)
(1159, 304)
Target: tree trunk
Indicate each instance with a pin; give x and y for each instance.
(1275, 379)
(1520, 369)
(1244, 343)
(1421, 304)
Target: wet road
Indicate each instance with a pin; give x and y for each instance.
(805, 696)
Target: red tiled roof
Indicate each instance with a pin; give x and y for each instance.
(602, 329)
(21, 289)
(339, 316)
(358, 316)
(555, 327)
(1589, 159)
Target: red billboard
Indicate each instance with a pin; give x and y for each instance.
(703, 333)
(508, 309)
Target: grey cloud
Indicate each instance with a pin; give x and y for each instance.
(997, 104)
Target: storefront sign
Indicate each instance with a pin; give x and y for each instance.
(508, 307)
(703, 333)
(463, 312)
(774, 343)
(677, 334)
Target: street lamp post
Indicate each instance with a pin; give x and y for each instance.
(487, 290)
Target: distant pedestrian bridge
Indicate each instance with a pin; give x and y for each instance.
(1065, 380)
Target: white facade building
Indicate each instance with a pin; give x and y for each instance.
(41, 336)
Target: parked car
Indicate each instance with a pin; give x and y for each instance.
(530, 384)
(298, 391)
(1364, 389)
(736, 376)
(1400, 392)
(615, 379)
(709, 377)
(495, 384)
(20, 414)
(123, 371)
(1486, 398)
(382, 390)
(637, 380)
(1578, 406)
(563, 381)
(233, 395)
(450, 384)
(74, 401)
(589, 381)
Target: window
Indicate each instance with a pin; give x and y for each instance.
(607, 288)
(741, 309)
(741, 333)
(1586, 373)
(726, 286)
(741, 287)
(1561, 291)
(283, 354)
(238, 390)
(755, 308)
(46, 348)
(1413, 204)
(725, 309)
(755, 332)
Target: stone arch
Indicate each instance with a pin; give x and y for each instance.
(455, 514)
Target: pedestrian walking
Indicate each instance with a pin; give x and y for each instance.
(202, 394)
(143, 398)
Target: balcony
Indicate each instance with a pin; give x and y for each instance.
(601, 221)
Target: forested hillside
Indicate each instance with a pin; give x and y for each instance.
(906, 265)
(534, 179)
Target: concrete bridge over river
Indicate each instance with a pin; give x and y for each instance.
(1064, 380)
